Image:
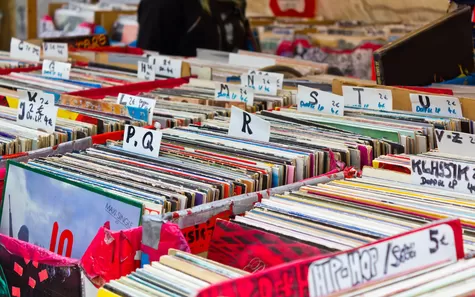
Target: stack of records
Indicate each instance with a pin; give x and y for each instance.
(176, 274)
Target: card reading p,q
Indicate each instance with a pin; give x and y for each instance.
(142, 141)
(247, 125)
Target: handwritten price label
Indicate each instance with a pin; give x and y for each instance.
(55, 51)
(36, 110)
(56, 69)
(140, 102)
(24, 51)
(368, 98)
(455, 143)
(145, 71)
(166, 66)
(317, 101)
(228, 92)
(444, 106)
(263, 82)
(380, 260)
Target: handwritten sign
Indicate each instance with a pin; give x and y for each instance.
(263, 82)
(55, 51)
(443, 174)
(445, 106)
(250, 61)
(140, 102)
(388, 258)
(317, 101)
(368, 98)
(455, 143)
(142, 141)
(24, 51)
(247, 125)
(166, 66)
(145, 71)
(36, 110)
(229, 92)
(56, 69)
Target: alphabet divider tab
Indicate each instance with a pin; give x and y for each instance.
(142, 141)
(372, 262)
(317, 101)
(444, 106)
(368, 98)
(234, 93)
(248, 126)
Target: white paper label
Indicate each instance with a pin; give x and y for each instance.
(229, 92)
(24, 51)
(142, 141)
(250, 61)
(36, 110)
(445, 106)
(443, 174)
(55, 51)
(455, 143)
(380, 260)
(249, 126)
(205, 73)
(317, 101)
(145, 71)
(297, 5)
(368, 98)
(166, 66)
(263, 82)
(56, 69)
(140, 102)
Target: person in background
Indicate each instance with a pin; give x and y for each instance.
(179, 27)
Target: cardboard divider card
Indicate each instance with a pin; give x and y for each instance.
(142, 141)
(233, 93)
(263, 82)
(368, 98)
(443, 174)
(247, 125)
(445, 106)
(377, 261)
(55, 51)
(317, 101)
(145, 71)
(166, 66)
(36, 110)
(56, 69)
(140, 102)
(24, 51)
(250, 61)
(455, 143)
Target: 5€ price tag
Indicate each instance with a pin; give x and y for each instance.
(166, 66)
(368, 98)
(140, 102)
(145, 71)
(24, 51)
(444, 106)
(55, 51)
(247, 125)
(36, 110)
(317, 101)
(229, 92)
(56, 69)
(142, 141)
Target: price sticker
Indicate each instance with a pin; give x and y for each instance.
(55, 51)
(145, 71)
(140, 102)
(229, 92)
(24, 51)
(368, 98)
(56, 69)
(247, 125)
(36, 110)
(142, 141)
(445, 106)
(317, 101)
(166, 66)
